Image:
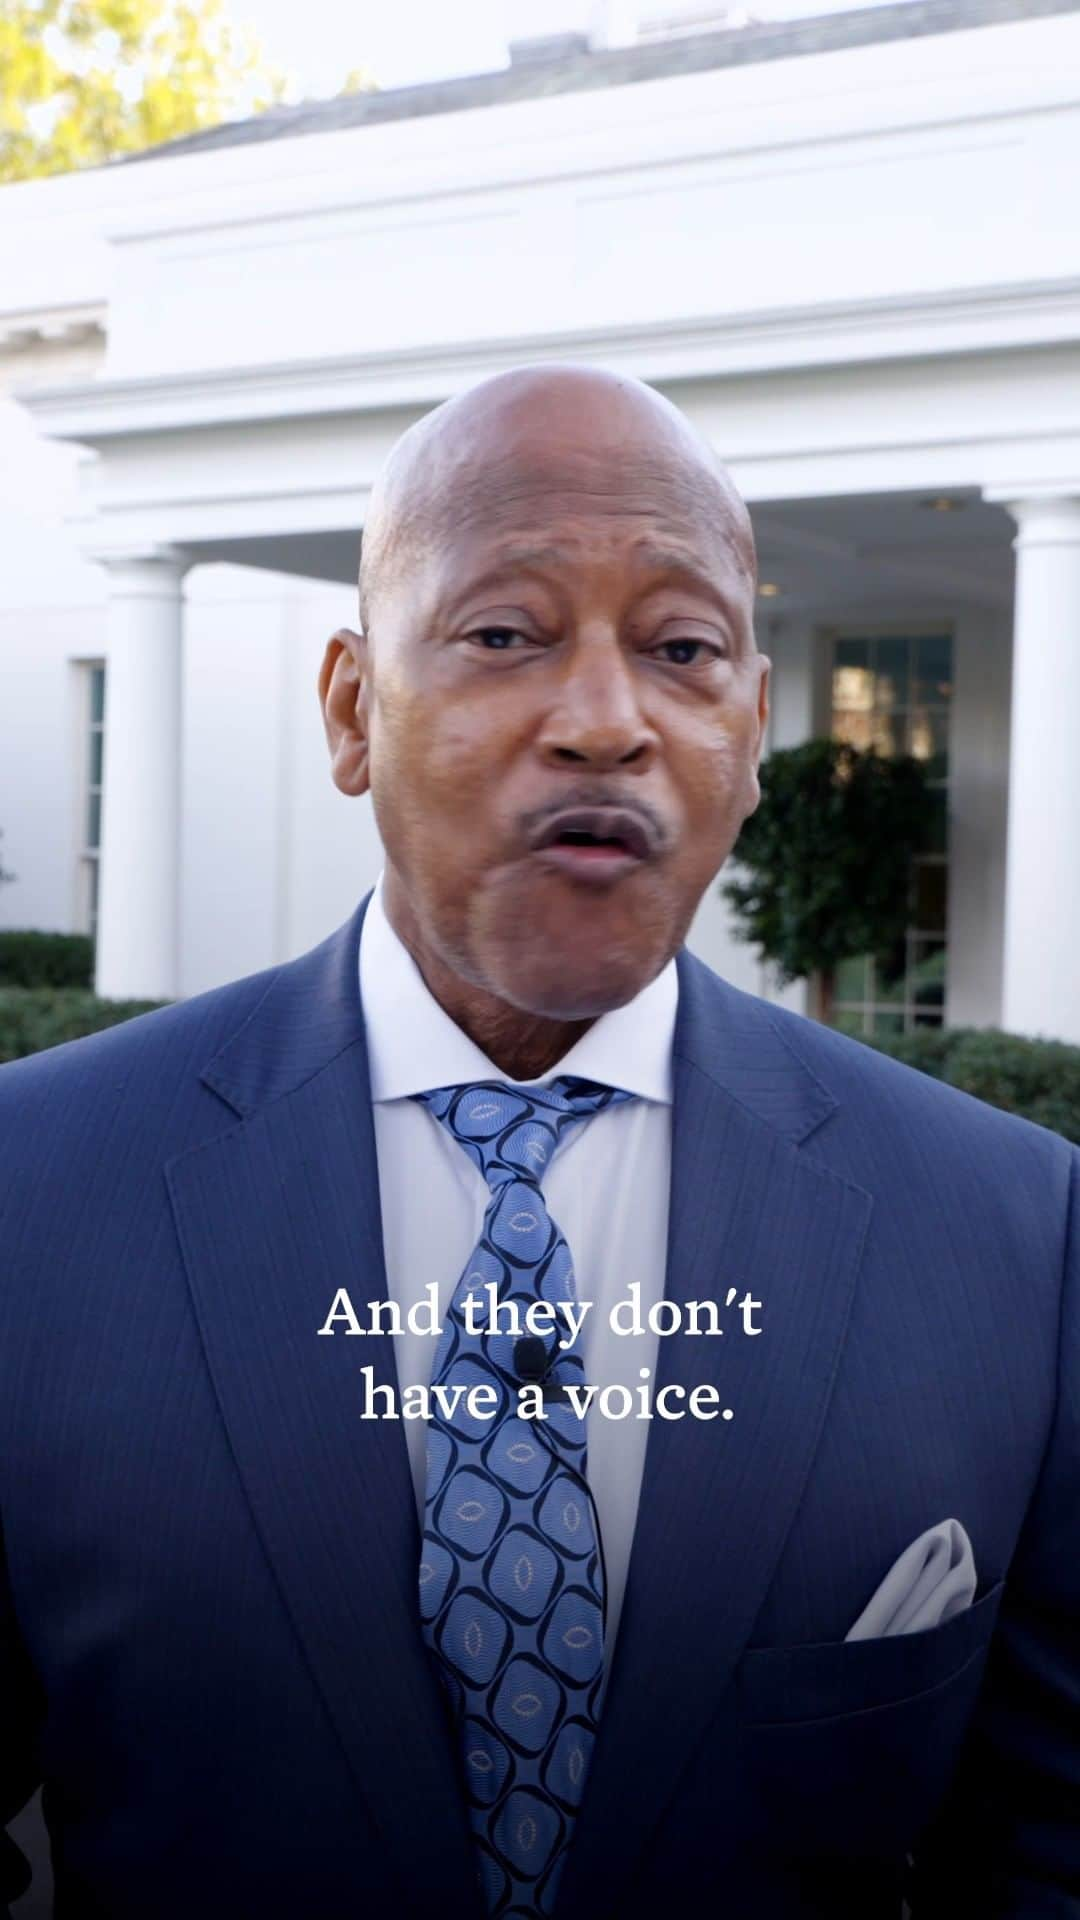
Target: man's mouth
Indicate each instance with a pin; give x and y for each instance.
(595, 842)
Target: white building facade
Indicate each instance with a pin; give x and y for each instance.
(847, 248)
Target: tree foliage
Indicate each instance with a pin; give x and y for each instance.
(84, 80)
(826, 859)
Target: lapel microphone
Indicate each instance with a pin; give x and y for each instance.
(531, 1367)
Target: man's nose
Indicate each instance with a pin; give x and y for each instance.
(596, 715)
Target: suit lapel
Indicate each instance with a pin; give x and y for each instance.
(749, 1210)
(273, 1217)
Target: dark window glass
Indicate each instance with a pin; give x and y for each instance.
(933, 669)
(931, 895)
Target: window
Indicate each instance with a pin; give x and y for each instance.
(893, 691)
(89, 832)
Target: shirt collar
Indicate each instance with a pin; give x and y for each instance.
(413, 1044)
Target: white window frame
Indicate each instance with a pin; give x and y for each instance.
(87, 857)
(912, 1013)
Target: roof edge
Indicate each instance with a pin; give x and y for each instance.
(588, 70)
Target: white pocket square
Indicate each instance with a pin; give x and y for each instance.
(933, 1579)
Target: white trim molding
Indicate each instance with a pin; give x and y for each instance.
(712, 346)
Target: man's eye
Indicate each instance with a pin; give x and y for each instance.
(684, 660)
(496, 639)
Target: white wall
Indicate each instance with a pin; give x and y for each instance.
(51, 605)
(272, 856)
(41, 760)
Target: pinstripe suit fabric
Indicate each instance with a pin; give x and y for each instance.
(210, 1644)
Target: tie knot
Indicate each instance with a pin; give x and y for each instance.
(511, 1132)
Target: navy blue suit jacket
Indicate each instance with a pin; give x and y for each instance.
(209, 1642)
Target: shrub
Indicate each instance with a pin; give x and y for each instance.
(46, 960)
(823, 866)
(1039, 1079)
(33, 1018)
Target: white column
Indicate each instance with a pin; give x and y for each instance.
(138, 918)
(1041, 984)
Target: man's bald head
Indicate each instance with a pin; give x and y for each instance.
(558, 600)
(524, 434)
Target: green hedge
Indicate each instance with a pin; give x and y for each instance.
(46, 960)
(32, 1018)
(1039, 1079)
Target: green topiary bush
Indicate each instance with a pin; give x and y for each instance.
(46, 959)
(33, 1018)
(822, 869)
(1039, 1079)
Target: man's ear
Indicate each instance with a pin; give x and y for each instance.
(763, 665)
(763, 707)
(343, 695)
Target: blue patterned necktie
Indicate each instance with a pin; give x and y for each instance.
(512, 1571)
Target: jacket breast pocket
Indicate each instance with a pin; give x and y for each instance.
(860, 1738)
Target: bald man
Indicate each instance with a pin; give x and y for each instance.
(494, 1420)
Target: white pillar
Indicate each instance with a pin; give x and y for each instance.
(1041, 985)
(138, 919)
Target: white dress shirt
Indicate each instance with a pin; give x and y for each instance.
(606, 1188)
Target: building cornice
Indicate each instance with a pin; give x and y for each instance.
(52, 326)
(979, 319)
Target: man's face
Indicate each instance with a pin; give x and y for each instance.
(581, 639)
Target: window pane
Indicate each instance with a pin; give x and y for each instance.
(926, 977)
(933, 668)
(928, 740)
(850, 1023)
(888, 1023)
(891, 676)
(931, 895)
(854, 729)
(96, 741)
(852, 653)
(884, 993)
(939, 827)
(891, 692)
(853, 688)
(850, 980)
(889, 733)
(885, 731)
(97, 695)
(93, 820)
